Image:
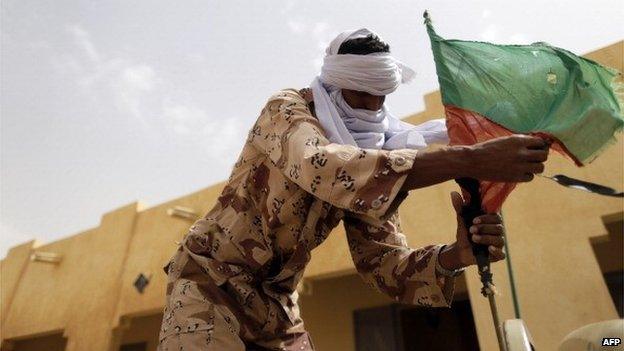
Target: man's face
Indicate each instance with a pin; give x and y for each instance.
(363, 100)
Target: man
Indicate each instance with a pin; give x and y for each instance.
(316, 157)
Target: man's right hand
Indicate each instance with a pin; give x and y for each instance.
(514, 158)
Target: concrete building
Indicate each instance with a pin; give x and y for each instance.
(88, 292)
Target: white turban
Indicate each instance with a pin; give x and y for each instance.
(377, 74)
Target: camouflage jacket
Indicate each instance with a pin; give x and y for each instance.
(289, 188)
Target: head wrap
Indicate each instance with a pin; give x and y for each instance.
(377, 74)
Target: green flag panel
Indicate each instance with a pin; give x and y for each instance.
(532, 88)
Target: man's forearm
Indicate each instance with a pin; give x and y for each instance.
(437, 166)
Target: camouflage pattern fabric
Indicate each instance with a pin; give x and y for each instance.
(232, 282)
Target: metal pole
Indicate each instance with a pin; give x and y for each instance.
(497, 325)
(480, 251)
(512, 281)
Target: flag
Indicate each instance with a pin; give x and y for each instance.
(490, 90)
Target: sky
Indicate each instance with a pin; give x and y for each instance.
(103, 103)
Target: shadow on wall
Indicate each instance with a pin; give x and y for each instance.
(52, 342)
(609, 253)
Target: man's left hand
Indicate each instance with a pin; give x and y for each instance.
(487, 229)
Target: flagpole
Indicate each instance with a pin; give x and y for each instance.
(470, 211)
(512, 280)
(497, 324)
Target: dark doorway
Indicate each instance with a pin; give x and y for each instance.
(409, 328)
(615, 283)
(141, 346)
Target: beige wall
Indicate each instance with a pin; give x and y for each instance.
(11, 270)
(89, 295)
(82, 290)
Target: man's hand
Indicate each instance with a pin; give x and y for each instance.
(514, 158)
(487, 229)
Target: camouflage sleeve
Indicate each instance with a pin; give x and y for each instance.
(363, 181)
(385, 262)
